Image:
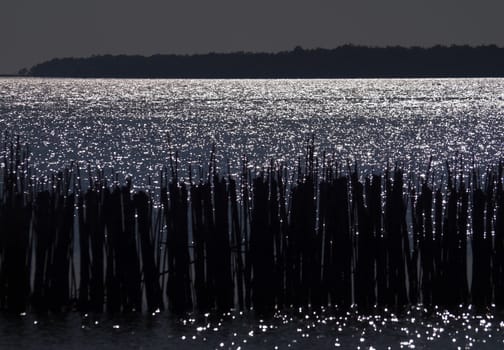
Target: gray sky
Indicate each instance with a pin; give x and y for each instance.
(32, 31)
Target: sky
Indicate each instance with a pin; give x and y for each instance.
(32, 31)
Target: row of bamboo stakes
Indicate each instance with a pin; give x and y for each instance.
(323, 236)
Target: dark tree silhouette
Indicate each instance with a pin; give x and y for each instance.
(343, 62)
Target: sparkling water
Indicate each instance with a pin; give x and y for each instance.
(133, 126)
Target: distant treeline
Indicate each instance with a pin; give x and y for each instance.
(343, 62)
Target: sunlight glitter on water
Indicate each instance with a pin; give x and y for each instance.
(124, 123)
(414, 328)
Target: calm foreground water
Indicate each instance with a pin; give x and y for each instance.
(296, 329)
(125, 124)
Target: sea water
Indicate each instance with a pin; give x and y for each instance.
(133, 126)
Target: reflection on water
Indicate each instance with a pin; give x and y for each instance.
(415, 328)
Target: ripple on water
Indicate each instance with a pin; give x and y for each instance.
(414, 328)
(124, 123)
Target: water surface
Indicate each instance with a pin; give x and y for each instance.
(132, 126)
(126, 124)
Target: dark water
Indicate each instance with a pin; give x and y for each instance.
(415, 328)
(124, 124)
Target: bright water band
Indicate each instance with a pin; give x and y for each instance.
(123, 124)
